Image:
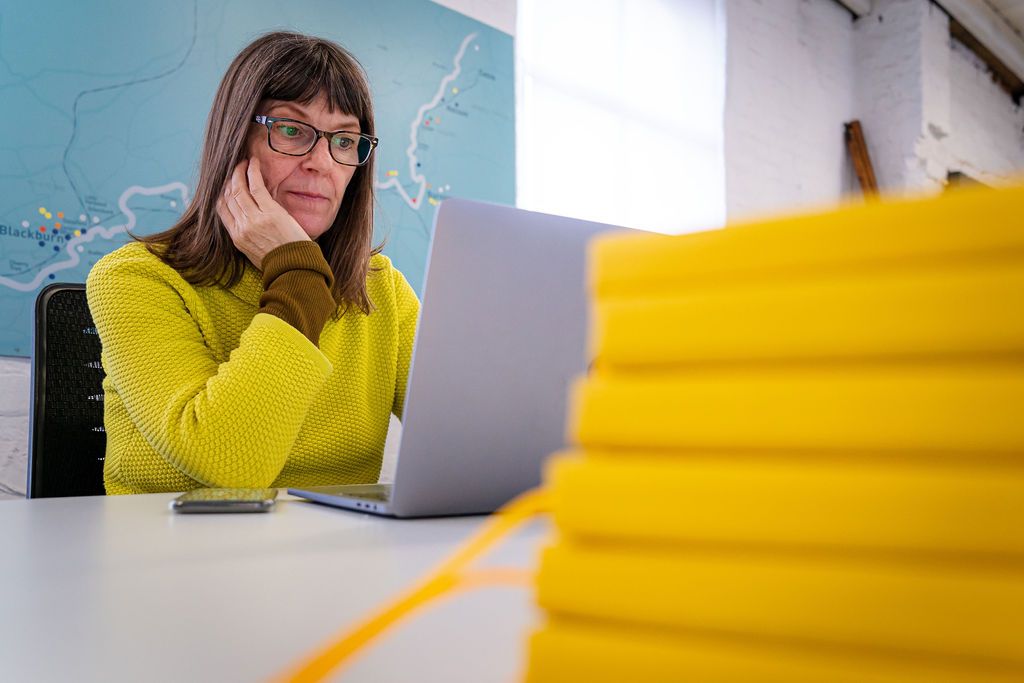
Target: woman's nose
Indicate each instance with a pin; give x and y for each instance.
(320, 155)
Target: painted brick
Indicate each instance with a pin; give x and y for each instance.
(980, 108)
(789, 64)
(797, 69)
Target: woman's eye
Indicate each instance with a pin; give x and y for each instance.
(342, 142)
(288, 131)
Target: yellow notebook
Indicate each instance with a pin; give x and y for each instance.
(965, 408)
(945, 312)
(565, 651)
(928, 608)
(796, 502)
(975, 224)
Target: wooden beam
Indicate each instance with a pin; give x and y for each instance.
(858, 149)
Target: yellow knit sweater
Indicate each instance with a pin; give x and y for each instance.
(200, 390)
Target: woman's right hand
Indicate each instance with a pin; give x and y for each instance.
(255, 222)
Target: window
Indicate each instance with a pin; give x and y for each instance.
(619, 111)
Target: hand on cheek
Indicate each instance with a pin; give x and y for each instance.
(255, 222)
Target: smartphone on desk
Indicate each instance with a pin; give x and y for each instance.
(225, 500)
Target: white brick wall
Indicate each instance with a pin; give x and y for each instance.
(987, 140)
(789, 66)
(797, 69)
(887, 86)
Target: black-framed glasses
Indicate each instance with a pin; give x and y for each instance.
(298, 138)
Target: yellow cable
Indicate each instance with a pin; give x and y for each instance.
(496, 576)
(443, 580)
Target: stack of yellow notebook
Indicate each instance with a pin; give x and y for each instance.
(799, 455)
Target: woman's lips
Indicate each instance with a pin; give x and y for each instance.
(308, 196)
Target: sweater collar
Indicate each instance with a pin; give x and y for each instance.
(250, 287)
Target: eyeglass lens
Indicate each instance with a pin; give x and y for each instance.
(292, 137)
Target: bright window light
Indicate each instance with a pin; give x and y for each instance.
(619, 111)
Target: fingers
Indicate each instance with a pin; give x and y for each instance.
(224, 212)
(255, 222)
(237, 191)
(230, 206)
(256, 185)
(229, 209)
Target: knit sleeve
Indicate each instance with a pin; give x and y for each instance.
(297, 287)
(408, 306)
(228, 424)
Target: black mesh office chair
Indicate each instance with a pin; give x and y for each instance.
(67, 441)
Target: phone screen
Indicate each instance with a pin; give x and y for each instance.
(225, 500)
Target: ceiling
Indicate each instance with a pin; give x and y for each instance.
(1012, 12)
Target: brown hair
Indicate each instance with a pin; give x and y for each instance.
(290, 67)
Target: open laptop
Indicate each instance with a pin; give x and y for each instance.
(502, 332)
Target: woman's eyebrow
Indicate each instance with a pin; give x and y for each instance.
(291, 111)
(349, 124)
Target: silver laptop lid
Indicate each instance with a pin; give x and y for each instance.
(502, 332)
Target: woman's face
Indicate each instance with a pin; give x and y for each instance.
(309, 187)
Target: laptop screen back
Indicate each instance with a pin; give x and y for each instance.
(502, 332)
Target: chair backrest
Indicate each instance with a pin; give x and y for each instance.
(67, 441)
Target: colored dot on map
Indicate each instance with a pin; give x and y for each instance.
(77, 233)
(24, 224)
(49, 215)
(81, 217)
(455, 91)
(60, 214)
(56, 248)
(95, 219)
(392, 174)
(413, 200)
(80, 249)
(52, 276)
(56, 226)
(42, 228)
(42, 244)
(42, 210)
(427, 122)
(173, 204)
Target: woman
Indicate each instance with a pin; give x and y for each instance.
(261, 341)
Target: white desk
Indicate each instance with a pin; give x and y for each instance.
(121, 589)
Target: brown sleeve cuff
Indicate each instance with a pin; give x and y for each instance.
(297, 285)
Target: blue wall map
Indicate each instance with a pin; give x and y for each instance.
(104, 105)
